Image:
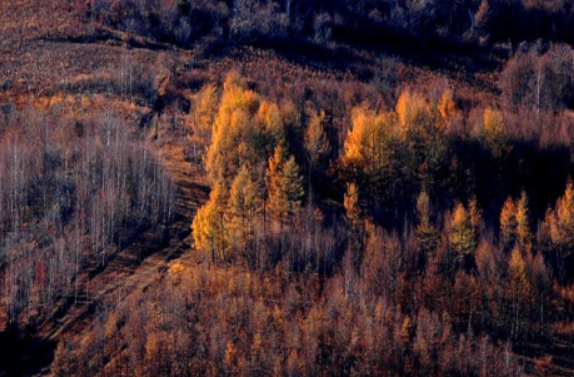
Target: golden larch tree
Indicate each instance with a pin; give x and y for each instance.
(316, 141)
(447, 106)
(494, 131)
(523, 232)
(355, 223)
(462, 234)
(209, 227)
(244, 209)
(415, 114)
(519, 287)
(293, 185)
(565, 218)
(270, 116)
(236, 139)
(284, 186)
(366, 145)
(426, 231)
(508, 223)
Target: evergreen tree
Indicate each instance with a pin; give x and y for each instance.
(244, 209)
(508, 224)
(462, 235)
(209, 226)
(236, 138)
(316, 141)
(426, 231)
(355, 223)
(519, 288)
(523, 232)
(284, 186)
(447, 106)
(494, 132)
(293, 186)
(270, 116)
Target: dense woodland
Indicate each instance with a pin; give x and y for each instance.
(407, 244)
(377, 221)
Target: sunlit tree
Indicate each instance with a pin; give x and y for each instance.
(508, 224)
(209, 228)
(284, 186)
(244, 209)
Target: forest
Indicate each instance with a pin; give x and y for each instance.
(287, 188)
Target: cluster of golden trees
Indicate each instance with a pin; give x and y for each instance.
(407, 247)
(257, 186)
(395, 164)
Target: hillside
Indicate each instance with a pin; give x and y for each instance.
(293, 188)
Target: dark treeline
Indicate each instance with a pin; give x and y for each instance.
(479, 22)
(71, 195)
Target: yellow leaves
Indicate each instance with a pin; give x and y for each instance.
(236, 138)
(493, 121)
(508, 222)
(523, 232)
(551, 226)
(85, 102)
(355, 222)
(414, 113)
(351, 203)
(270, 117)
(284, 185)
(403, 107)
(243, 208)
(515, 223)
(406, 330)
(565, 206)
(208, 227)
(543, 365)
(278, 317)
(359, 137)
(460, 215)
(517, 272)
(316, 142)
(290, 114)
(257, 344)
(241, 131)
(494, 133)
(153, 346)
(205, 108)
(447, 106)
(462, 234)
(293, 182)
(235, 96)
(561, 221)
(230, 357)
(176, 268)
(201, 122)
(366, 141)
(112, 327)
